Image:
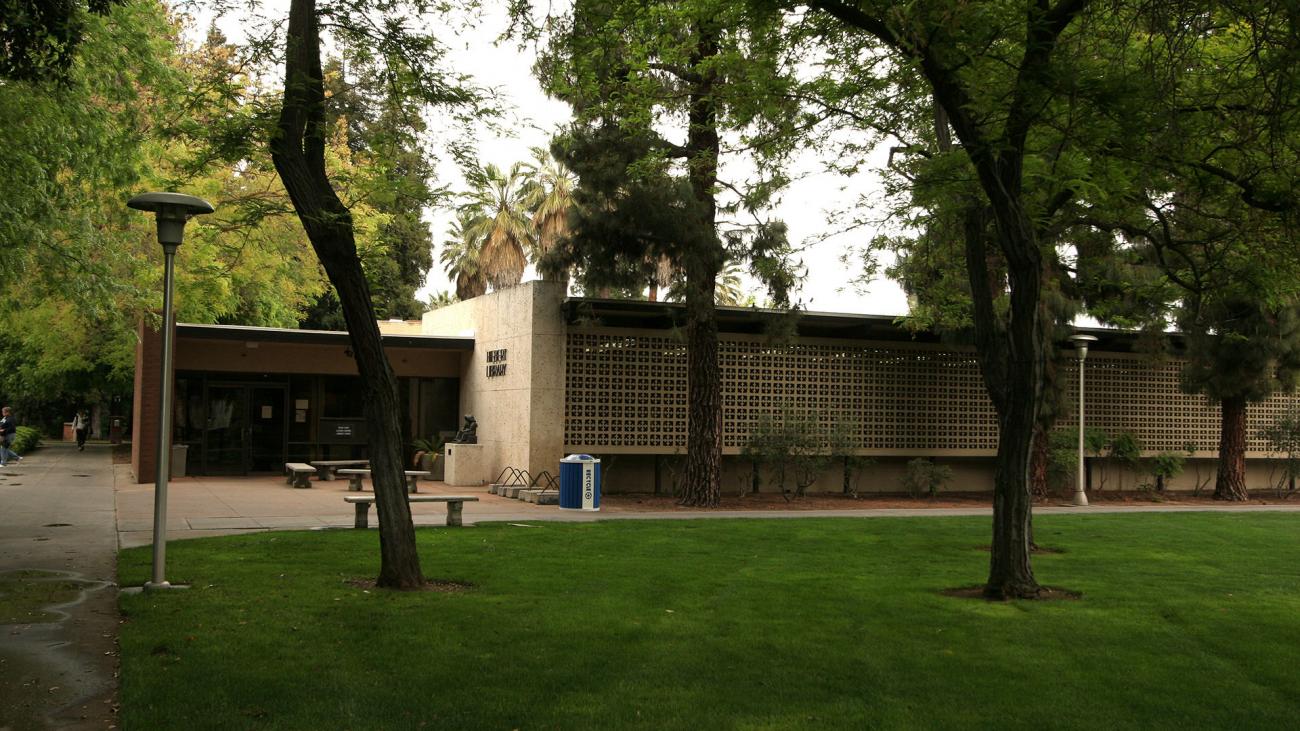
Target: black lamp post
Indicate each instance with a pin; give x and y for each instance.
(172, 211)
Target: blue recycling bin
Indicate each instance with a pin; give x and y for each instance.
(580, 482)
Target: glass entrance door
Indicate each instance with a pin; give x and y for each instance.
(245, 430)
(267, 424)
(224, 434)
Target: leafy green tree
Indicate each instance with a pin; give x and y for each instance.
(1016, 121)
(1212, 250)
(39, 38)
(655, 88)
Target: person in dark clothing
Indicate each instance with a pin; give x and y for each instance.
(81, 425)
(8, 427)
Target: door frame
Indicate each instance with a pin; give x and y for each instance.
(246, 389)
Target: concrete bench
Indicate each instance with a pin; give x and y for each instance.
(327, 467)
(356, 476)
(454, 505)
(298, 473)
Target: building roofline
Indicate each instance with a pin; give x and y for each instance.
(317, 337)
(847, 325)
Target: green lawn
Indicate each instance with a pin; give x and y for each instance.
(1188, 621)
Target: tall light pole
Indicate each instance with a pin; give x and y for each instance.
(1081, 349)
(172, 211)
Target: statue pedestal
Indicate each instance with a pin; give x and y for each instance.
(466, 465)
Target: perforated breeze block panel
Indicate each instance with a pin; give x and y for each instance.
(625, 392)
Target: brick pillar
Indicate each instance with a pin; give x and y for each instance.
(147, 398)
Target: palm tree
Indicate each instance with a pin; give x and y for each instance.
(504, 228)
(728, 291)
(440, 299)
(665, 273)
(550, 198)
(461, 254)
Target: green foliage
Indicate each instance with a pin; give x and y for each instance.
(39, 38)
(1166, 466)
(1063, 457)
(1125, 450)
(842, 444)
(1283, 437)
(924, 476)
(1095, 440)
(26, 439)
(791, 448)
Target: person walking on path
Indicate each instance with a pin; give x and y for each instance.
(81, 425)
(8, 427)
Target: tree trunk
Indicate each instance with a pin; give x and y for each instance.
(703, 486)
(1010, 574)
(1230, 483)
(703, 261)
(298, 151)
(1038, 467)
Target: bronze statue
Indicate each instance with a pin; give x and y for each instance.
(468, 433)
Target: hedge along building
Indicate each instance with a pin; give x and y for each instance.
(545, 376)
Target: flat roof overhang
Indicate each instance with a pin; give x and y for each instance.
(620, 313)
(315, 337)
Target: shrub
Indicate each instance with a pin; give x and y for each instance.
(787, 447)
(923, 474)
(842, 443)
(1201, 484)
(1062, 457)
(26, 439)
(1126, 449)
(1166, 466)
(1283, 437)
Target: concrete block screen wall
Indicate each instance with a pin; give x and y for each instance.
(626, 393)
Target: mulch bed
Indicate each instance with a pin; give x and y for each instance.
(639, 503)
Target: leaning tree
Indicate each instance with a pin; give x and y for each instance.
(298, 151)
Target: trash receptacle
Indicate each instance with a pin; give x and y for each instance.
(179, 454)
(580, 482)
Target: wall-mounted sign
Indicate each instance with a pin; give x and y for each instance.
(342, 431)
(496, 363)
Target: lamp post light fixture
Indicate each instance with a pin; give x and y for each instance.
(1081, 349)
(172, 211)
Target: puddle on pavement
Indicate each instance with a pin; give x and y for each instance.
(30, 597)
(50, 678)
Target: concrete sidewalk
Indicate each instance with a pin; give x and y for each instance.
(209, 506)
(57, 526)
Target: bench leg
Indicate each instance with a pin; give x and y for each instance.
(363, 516)
(453, 513)
(411, 487)
(326, 473)
(302, 480)
(354, 483)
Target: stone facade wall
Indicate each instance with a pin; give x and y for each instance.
(513, 382)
